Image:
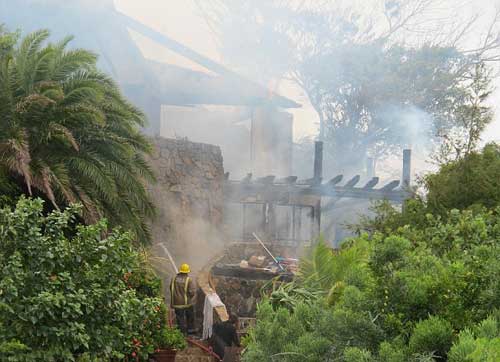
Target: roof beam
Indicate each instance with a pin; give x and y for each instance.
(200, 59)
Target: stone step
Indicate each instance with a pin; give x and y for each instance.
(193, 354)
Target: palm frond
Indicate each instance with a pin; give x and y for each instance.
(66, 129)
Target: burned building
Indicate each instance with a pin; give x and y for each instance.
(230, 195)
(209, 104)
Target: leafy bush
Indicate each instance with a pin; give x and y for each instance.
(393, 352)
(432, 335)
(171, 338)
(470, 183)
(65, 291)
(301, 340)
(472, 180)
(354, 354)
(480, 344)
(288, 295)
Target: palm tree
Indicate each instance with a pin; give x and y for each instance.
(67, 134)
(329, 270)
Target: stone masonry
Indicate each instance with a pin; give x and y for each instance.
(188, 195)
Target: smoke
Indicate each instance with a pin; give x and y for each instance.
(412, 127)
(193, 241)
(262, 44)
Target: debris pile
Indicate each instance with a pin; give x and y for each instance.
(261, 263)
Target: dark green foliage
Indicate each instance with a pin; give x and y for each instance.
(68, 135)
(393, 352)
(284, 336)
(478, 344)
(433, 335)
(468, 183)
(354, 354)
(472, 180)
(68, 290)
(171, 338)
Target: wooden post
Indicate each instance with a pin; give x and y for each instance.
(406, 168)
(318, 161)
(318, 176)
(244, 223)
(272, 231)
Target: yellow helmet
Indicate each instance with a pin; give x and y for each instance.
(184, 269)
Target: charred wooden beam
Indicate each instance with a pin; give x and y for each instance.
(306, 194)
(290, 180)
(390, 186)
(266, 180)
(309, 181)
(371, 184)
(352, 182)
(318, 178)
(334, 181)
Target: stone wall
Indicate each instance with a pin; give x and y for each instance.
(240, 296)
(189, 199)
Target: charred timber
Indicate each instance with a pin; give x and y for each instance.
(336, 180)
(236, 271)
(298, 194)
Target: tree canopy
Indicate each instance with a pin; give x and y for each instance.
(380, 77)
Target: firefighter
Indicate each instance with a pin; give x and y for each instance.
(183, 291)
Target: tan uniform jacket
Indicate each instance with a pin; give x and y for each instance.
(182, 291)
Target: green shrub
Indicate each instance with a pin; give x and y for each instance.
(480, 344)
(432, 335)
(354, 354)
(348, 328)
(65, 290)
(392, 352)
(470, 181)
(171, 338)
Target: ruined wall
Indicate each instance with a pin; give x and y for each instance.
(189, 199)
(227, 127)
(240, 296)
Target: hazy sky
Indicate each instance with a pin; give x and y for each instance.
(181, 20)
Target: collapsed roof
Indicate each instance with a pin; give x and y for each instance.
(101, 28)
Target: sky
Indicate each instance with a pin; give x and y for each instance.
(181, 20)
